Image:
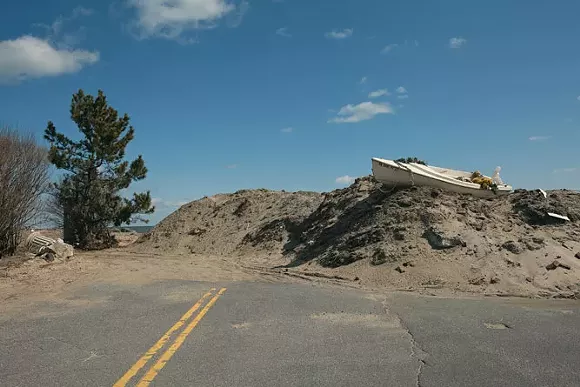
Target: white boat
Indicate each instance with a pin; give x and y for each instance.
(397, 174)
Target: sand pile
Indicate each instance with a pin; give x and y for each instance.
(410, 238)
(217, 225)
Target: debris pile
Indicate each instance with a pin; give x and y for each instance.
(536, 209)
(413, 238)
(47, 248)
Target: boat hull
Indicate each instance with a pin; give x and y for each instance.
(396, 174)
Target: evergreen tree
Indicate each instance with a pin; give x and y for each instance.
(96, 173)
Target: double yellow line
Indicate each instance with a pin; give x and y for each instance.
(164, 358)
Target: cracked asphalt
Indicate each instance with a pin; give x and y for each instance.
(281, 334)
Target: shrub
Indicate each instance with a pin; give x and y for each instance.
(23, 180)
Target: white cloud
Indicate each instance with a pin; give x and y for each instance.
(457, 42)
(401, 90)
(334, 34)
(404, 96)
(388, 48)
(363, 80)
(346, 179)
(379, 93)
(170, 18)
(566, 170)
(416, 43)
(539, 138)
(232, 166)
(283, 32)
(578, 98)
(287, 130)
(361, 112)
(29, 57)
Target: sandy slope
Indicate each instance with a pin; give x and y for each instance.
(418, 238)
(362, 236)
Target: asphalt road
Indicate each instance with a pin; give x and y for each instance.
(260, 334)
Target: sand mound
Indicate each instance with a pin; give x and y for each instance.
(409, 238)
(217, 225)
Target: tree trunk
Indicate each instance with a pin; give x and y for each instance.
(68, 228)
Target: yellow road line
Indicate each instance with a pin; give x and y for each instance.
(161, 342)
(154, 370)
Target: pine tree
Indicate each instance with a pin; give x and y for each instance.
(96, 173)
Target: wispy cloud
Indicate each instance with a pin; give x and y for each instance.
(361, 112)
(578, 98)
(287, 130)
(566, 170)
(170, 19)
(29, 57)
(403, 96)
(388, 48)
(378, 93)
(116, 8)
(334, 34)
(457, 42)
(283, 32)
(232, 166)
(236, 17)
(346, 179)
(55, 31)
(363, 80)
(401, 90)
(539, 138)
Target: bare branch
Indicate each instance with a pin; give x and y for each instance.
(23, 180)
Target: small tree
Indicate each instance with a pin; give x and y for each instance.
(23, 179)
(96, 173)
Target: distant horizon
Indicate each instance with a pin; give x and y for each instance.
(140, 228)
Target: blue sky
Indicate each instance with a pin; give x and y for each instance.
(298, 94)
